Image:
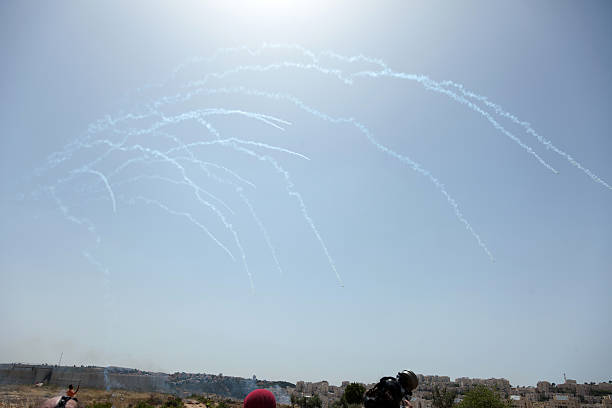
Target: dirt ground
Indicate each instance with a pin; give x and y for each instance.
(22, 396)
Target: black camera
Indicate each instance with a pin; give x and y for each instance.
(390, 391)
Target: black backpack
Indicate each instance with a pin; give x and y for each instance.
(387, 393)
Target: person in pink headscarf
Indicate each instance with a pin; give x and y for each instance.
(260, 398)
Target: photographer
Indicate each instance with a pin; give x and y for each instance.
(392, 392)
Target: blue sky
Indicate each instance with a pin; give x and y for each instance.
(418, 291)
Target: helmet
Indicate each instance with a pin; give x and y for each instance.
(408, 380)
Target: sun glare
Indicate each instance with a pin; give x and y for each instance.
(271, 9)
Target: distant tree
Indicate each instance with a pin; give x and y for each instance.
(482, 397)
(154, 400)
(174, 402)
(308, 402)
(353, 394)
(314, 402)
(444, 398)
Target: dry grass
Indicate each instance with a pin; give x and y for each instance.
(22, 396)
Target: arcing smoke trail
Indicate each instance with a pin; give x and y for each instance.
(349, 80)
(185, 214)
(239, 190)
(292, 192)
(261, 226)
(527, 126)
(108, 187)
(186, 147)
(196, 87)
(290, 189)
(148, 153)
(86, 253)
(338, 120)
(182, 154)
(440, 86)
(370, 137)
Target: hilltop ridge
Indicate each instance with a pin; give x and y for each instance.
(121, 378)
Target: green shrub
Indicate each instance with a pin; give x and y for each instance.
(174, 402)
(154, 400)
(202, 399)
(482, 397)
(143, 404)
(353, 394)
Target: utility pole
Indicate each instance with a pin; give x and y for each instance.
(60, 361)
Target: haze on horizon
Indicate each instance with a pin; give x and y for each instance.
(418, 291)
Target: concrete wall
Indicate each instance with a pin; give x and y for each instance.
(116, 378)
(89, 377)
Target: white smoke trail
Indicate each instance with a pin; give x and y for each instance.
(238, 189)
(432, 85)
(108, 122)
(182, 154)
(385, 70)
(140, 177)
(186, 147)
(66, 213)
(527, 126)
(233, 142)
(196, 188)
(403, 158)
(90, 226)
(108, 187)
(417, 167)
(370, 137)
(165, 121)
(262, 228)
(185, 214)
(197, 115)
(291, 191)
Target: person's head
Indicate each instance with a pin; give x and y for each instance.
(408, 380)
(70, 387)
(260, 399)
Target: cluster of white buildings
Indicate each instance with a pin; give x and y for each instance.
(328, 393)
(544, 395)
(570, 394)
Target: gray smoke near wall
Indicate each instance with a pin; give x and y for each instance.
(281, 394)
(106, 379)
(249, 385)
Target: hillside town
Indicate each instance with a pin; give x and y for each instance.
(570, 394)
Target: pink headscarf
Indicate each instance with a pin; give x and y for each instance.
(260, 399)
